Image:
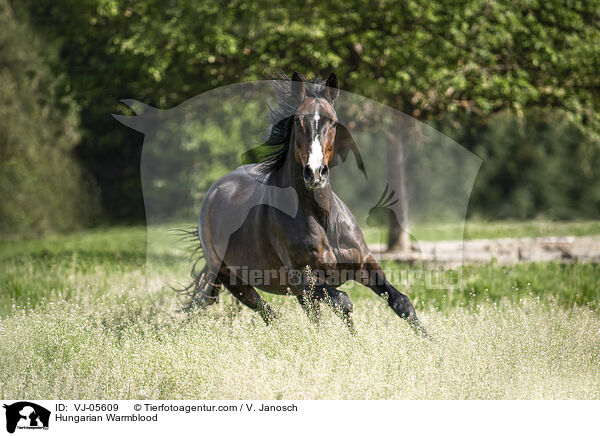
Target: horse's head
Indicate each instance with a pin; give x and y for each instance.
(314, 129)
(305, 129)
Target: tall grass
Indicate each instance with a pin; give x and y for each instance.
(141, 351)
(82, 319)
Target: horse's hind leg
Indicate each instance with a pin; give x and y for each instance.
(204, 289)
(208, 290)
(248, 295)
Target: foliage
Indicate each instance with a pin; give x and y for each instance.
(427, 59)
(537, 165)
(43, 186)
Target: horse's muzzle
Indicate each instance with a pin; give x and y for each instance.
(314, 180)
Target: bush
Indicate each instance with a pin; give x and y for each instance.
(539, 165)
(43, 187)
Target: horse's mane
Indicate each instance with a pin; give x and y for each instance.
(272, 153)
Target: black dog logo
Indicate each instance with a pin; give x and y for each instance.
(26, 415)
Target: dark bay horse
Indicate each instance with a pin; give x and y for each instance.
(279, 220)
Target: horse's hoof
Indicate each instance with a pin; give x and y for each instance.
(420, 330)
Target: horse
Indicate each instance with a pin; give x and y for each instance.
(280, 217)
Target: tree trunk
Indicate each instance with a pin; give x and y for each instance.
(398, 236)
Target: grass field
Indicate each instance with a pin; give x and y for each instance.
(81, 319)
(496, 229)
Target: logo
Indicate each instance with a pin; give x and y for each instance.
(25, 415)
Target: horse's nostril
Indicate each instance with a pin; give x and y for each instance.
(324, 171)
(306, 173)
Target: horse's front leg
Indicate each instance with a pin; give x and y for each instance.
(310, 303)
(376, 280)
(341, 304)
(313, 289)
(338, 300)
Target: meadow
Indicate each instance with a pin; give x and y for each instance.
(82, 318)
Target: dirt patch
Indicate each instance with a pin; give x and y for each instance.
(505, 251)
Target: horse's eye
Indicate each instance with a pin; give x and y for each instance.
(297, 121)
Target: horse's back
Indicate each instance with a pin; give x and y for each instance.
(227, 207)
(218, 212)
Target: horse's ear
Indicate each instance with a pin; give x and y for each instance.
(298, 88)
(344, 143)
(332, 89)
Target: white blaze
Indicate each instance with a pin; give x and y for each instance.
(315, 156)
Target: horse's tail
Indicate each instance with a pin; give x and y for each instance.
(204, 287)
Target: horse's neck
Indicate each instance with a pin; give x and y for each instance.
(317, 203)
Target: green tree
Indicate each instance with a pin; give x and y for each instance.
(43, 188)
(427, 59)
